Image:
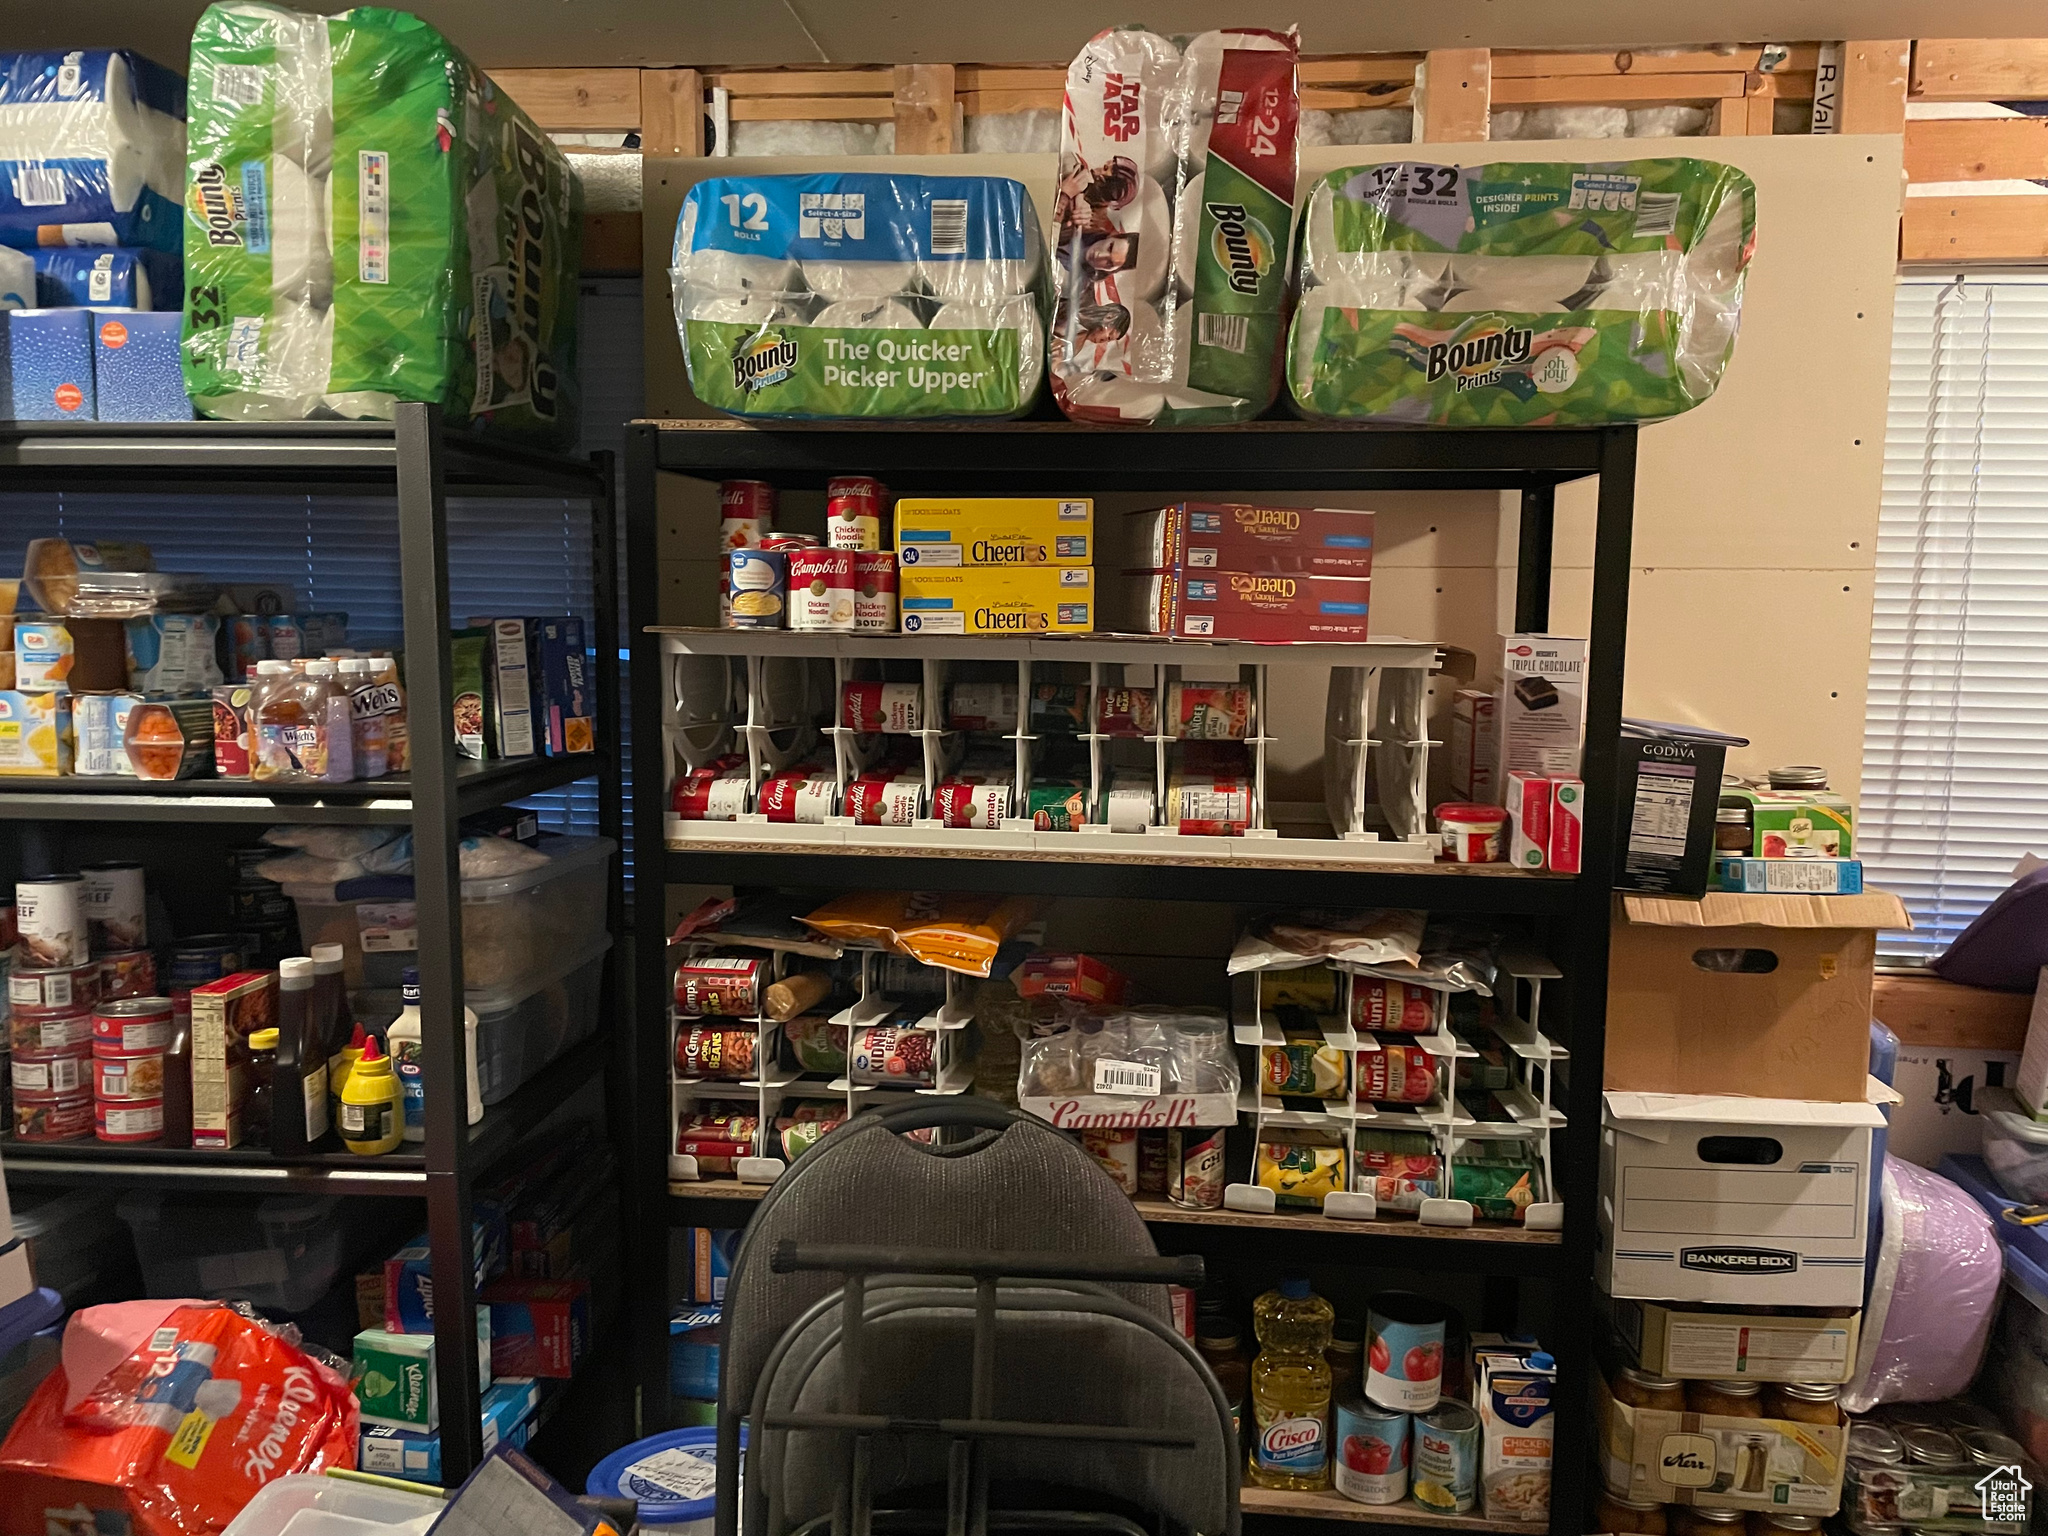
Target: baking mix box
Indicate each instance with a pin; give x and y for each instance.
(1542, 704)
(1227, 536)
(224, 1014)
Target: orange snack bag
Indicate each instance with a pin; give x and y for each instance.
(953, 930)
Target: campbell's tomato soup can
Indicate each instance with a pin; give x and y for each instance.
(960, 804)
(52, 918)
(1395, 1006)
(719, 985)
(132, 1024)
(42, 1034)
(758, 590)
(746, 513)
(821, 590)
(234, 719)
(57, 989)
(1404, 1351)
(710, 797)
(53, 1072)
(874, 593)
(897, 708)
(117, 1076)
(53, 1116)
(885, 802)
(854, 509)
(128, 1119)
(793, 798)
(1370, 1460)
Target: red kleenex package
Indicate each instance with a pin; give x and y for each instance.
(165, 1418)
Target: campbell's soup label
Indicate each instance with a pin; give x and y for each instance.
(874, 593)
(821, 590)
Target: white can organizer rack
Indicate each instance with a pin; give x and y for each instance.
(1375, 718)
(769, 1089)
(1527, 1097)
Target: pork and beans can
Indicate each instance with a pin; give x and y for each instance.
(127, 973)
(59, 989)
(720, 985)
(1444, 1458)
(42, 1033)
(820, 590)
(874, 593)
(115, 906)
(51, 916)
(726, 1054)
(1371, 1461)
(132, 1024)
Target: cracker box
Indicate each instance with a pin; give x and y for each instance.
(395, 1379)
(1025, 600)
(1729, 1344)
(1652, 1455)
(35, 734)
(1217, 536)
(994, 530)
(224, 1014)
(1270, 607)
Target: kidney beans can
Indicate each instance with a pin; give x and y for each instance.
(53, 1117)
(127, 973)
(821, 590)
(719, 985)
(1194, 1167)
(885, 802)
(121, 1077)
(51, 915)
(1371, 1461)
(58, 1072)
(896, 708)
(807, 798)
(62, 989)
(234, 729)
(44, 1033)
(759, 589)
(128, 1120)
(854, 508)
(1404, 1355)
(1444, 1458)
(892, 1056)
(132, 1024)
(874, 593)
(115, 906)
(746, 513)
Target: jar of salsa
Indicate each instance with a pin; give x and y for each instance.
(1641, 1389)
(1805, 1402)
(1725, 1399)
(1619, 1516)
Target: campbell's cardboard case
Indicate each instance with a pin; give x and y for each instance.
(1750, 994)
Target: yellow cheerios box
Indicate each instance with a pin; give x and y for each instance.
(995, 600)
(35, 734)
(994, 530)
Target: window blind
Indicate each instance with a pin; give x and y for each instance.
(1955, 758)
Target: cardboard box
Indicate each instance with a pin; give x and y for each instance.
(1669, 782)
(1761, 995)
(35, 734)
(1789, 877)
(1542, 704)
(1514, 1392)
(138, 372)
(1221, 536)
(46, 365)
(1779, 818)
(563, 693)
(1270, 607)
(1727, 1344)
(43, 655)
(538, 1327)
(415, 1455)
(972, 600)
(469, 652)
(1653, 1455)
(408, 1277)
(994, 530)
(712, 1251)
(1528, 806)
(395, 1380)
(1567, 825)
(100, 721)
(1745, 1201)
(1475, 746)
(508, 689)
(224, 1014)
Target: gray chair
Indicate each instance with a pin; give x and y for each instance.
(973, 1330)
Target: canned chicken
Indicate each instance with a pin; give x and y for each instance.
(894, 708)
(759, 586)
(53, 1117)
(874, 593)
(132, 1024)
(854, 509)
(130, 1120)
(64, 989)
(44, 1033)
(115, 906)
(722, 985)
(807, 798)
(53, 1073)
(124, 1078)
(127, 973)
(877, 802)
(821, 590)
(51, 916)
(746, 513)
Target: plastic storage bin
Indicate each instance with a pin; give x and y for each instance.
(75, 1242)
(513, 926)
(2015, 1145)
(308, 1505)
(281, 1254)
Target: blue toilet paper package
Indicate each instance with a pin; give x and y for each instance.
(92, 150)
(119, 276)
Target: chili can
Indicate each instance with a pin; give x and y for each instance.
(791, 797)
(128, 1120)
(1444, 1458)
(854, 508)
(874, 592)
(60, 989)
(51, 916)
(721, 985)
(746, 513)
(879, 802)
(127, 973)
(894, 708)
(234, 730)
(115, 903)
(53, 1117)
(1371, 1461)
(132, 1024)
(122, 1077)
(759, 587)
(44, 1033)
(1194, 1167)
(821, 590)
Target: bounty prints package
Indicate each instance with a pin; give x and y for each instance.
(1176, 188)
(368, 219)
(1519, 294)
(861, 295)
(92, 149)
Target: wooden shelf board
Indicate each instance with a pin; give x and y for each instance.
(1308, 1221)
(1327, 1504)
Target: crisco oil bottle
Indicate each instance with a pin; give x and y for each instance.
(1290, 1388)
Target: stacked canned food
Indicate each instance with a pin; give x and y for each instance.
(1936, 1467)
(843, 584)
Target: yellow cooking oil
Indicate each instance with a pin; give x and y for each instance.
(1290, 1388)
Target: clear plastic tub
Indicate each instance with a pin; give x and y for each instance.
(520, 1030)
(281, 1254)
(513, 926)
(308, 1505)
(2015, 1145)
(74, 1240)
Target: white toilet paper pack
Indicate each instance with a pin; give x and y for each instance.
(92, 149)
(1519, 294)
(861, 295)
(125, 277)
(369, 219)
(1176, 188)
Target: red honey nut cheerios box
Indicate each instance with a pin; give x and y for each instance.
(1230, 536)
(1270, 606)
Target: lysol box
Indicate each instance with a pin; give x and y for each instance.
(100, 721)
(1271, 607)
(1018, 600)
(1567, 825)
(46, 365)
(1801, 877)
(138, 374)
(538, 1327)
(563, 693)
(994, 530)
(1475, 745)
(1528, 806)
(1223, 536)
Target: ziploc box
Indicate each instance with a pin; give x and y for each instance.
(538, 1327)
(409, 1273)
(994, 530)
(46, 365)
(395, 1380)
(995, 600)
(562, 690)
(35, 734)
(1756, 1202)
(1805, 877)
(1270, 607)
(1218, 536)
(138, 371)
(1728, 1344)
(415, 1455)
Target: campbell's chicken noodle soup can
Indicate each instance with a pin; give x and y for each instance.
(51, 915)
(57, 989)
(234, 725)
(896, 708)
(54, 1116)
(1396, 1074)
(874, 592)
(885, 802)
(118, 1076)
(43, 1034)
(720, 986)
(821, 590)
(1194, 1167)
(758, 589)
(783, 543)
(132, 1024)
(116, 905)
(958, 803)
(746, 513)
(1404, 1354)
(1208, 711)
(805, 798)
(52, 1072)
(710, 797)
(120, 1120)
(1370, 1464)
(855, 508)
(1126, 712)
(1394, 1006)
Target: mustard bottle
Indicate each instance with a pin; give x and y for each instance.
(339, 1065)
(372, 1105)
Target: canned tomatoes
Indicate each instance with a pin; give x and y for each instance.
(885, 802)
(1444, 1458)
(746, 513)
(64, 989)
(132, 1024)
(132, 1120)
(51, 916)
(1396, 1074)
(896, 708)
(759, 582)
(1404, 1356)
(1371, 1464)
(1208, 711)
(820, 590)
(854, 508)
(1396, 1006)
(43, 1033)
(127, 973)
(728, 985)
(114, 902)
(53, 1117)
(874, 593)
(121, 1078)
(808, 798)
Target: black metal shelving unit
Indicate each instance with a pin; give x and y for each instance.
(422, 464)
(1022, 458)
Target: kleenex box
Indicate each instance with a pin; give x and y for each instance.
(136, 368)
(416, 1456)
(395, 1379)
(46, 365)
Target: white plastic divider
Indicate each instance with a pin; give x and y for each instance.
(766, 1086)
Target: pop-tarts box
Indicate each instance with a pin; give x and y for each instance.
(137, 375)
(416, 1456)
(46, 365)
